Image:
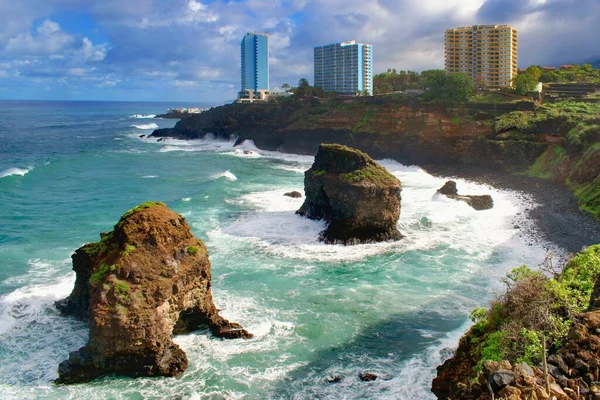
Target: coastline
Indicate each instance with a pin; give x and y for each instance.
(554, 211)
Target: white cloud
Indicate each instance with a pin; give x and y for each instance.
(50, 39)
(91, 52)
(108, 83)
(198, 12)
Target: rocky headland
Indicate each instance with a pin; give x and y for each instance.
(141, 283)
(358, 198)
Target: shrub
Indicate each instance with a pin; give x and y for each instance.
(192, 250)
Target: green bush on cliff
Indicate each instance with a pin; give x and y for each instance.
(574, 285)
(534, 306)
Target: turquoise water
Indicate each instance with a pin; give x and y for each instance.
(69, 170)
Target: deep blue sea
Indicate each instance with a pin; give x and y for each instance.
(68, 170)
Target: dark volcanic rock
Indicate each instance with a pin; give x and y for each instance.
(359, 198)
(483, 202)
(147, 279)
(449, 189)
(367, 377)
(295, 194)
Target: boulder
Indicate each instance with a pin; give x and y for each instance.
(295, 194)
(367, 377)
(358, 198)
(501, 378)
(481, 202)
(142, 282)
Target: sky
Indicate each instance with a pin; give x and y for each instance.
(189, 50)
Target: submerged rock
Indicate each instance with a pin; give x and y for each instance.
(367, 377)
(146, 280)
(482, 202)
(359, 198)
(294, 194)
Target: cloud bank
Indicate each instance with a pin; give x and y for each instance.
(189, 49)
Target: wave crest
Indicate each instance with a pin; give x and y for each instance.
(142, 116)
(15, 171)
(146, 126)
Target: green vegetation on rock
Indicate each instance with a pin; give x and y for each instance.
(549, 163)
(534, 306)
(192, 250)
(129, 248)
(139, 208)
(98, 276)
(371, 173)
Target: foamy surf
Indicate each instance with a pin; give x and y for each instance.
(142, 116)
(227, 175)
(146, 126)
(15, 171)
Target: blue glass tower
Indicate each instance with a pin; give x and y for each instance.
(345, 68)
(255, 62)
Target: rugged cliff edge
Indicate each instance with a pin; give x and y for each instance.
(502, 354)
(144, 281)
(357, 197)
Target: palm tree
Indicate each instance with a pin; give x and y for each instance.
(285, 87)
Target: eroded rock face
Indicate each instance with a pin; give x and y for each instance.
(482, 202)
(359, 198)
(146, 280)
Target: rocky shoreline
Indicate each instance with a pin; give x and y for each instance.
(445, 142)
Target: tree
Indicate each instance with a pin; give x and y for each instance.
(303, 83)
(525, 82)
(285, 87)
(447, 88)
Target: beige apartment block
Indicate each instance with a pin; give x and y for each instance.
(487, 53)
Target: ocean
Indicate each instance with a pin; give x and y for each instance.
(68, 170)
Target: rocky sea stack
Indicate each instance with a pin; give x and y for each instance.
(358, 197)
(141, 283)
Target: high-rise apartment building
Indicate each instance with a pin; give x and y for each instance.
(345, 68)
(487, 53)
(255, 67)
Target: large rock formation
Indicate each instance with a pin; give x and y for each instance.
(146, 280)
(478, 202)
(359, 198)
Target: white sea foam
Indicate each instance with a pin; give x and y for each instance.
(146, 126)
(142, 116)
(227, 175)
(149, 176)
(244, 153)
(186, 199)
(15, 171)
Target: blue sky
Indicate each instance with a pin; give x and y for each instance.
(188, 50)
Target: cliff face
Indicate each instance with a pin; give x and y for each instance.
(146, 280)
(357, 197)
(404, 130)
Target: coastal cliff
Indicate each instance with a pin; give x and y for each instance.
(403, 129)
(144, 281)
(537, 148)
